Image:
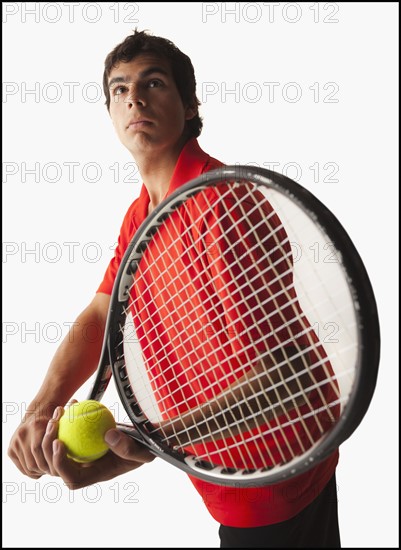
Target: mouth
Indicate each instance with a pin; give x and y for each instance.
(137, 124)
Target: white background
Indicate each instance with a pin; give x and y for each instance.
(335, 101)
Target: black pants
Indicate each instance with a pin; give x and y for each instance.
(316, 526)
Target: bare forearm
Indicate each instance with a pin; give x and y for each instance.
(75, 360)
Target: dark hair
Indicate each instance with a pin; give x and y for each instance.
(181, 66)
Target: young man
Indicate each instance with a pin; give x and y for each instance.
(150, 93)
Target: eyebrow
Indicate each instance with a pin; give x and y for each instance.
(143, 74)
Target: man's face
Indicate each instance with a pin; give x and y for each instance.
(145, 105)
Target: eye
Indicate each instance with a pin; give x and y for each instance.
(118, 90)
(155, 83)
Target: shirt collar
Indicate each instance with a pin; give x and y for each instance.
(189, 165)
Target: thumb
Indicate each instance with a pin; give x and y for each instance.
(70, 403)
(126, 447)
(112, 437)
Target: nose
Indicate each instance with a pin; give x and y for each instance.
(135, 101)
(135, 97)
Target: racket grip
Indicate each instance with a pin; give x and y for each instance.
(130, 430)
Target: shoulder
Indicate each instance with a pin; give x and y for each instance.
(137, 211)
(211, 163)
(130, 221)
(132, 210)
(195, 160)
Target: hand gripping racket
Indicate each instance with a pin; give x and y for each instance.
(243, 333)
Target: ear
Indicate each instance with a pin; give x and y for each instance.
(191, 111)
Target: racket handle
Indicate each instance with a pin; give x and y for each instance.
(130, 430)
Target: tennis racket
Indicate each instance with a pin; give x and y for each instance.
(243, 334)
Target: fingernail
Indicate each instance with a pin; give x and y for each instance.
(55, 413)
(49, 427)
(112, 437)
(56, 446)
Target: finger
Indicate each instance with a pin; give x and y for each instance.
(20, 463)
(37, 460)
(78, 475)
(43, 459)
(72, 473)
(30, 466)
(21, 455)
(48, 439)
(47, 445)
(126, 447)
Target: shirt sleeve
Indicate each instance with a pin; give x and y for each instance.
(127, 231)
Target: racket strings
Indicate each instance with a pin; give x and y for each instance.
(188, 301)
(204, 315)
(207, 311)
(168, 303)
(238, 289)
(162, 379)
(280, 245)
(229, 245)
(277, 385)
(219, 387)
(225, 407)
(212, 454)
(327, 290)
(278, 405)
(265, 432)
(289, 379)
(157, 344)
(162, 254)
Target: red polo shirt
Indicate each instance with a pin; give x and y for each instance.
(191, 163)
(249, 507)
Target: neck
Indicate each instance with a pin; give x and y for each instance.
(156, 169)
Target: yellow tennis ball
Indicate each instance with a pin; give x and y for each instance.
(82, 428)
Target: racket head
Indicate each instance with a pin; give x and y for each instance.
(347, 313)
